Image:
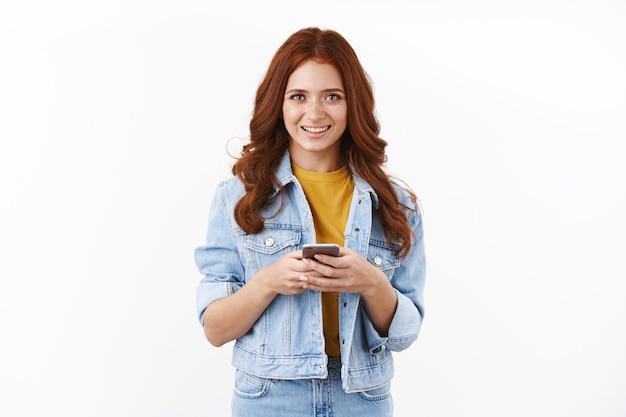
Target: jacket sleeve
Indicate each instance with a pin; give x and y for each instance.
(218, 260)
(408, 281)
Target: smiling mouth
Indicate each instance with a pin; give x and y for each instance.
(315, 129)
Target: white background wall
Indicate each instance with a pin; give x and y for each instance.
(506, 117)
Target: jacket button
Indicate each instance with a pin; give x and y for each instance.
(378, 260)
(269, 241)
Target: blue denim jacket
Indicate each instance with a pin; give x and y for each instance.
(287, 341)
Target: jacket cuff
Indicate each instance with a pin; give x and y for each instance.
(403, 330)
(208, 292)
(405, 325)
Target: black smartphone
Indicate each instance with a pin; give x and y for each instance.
(311, 249)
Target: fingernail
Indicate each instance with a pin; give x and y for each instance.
(303, 278)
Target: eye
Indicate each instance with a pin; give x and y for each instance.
(333, 97)
(297, 97)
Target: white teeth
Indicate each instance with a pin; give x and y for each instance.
(315, 129)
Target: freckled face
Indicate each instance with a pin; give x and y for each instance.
(315, 114)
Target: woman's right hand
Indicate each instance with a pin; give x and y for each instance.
(228, 318)
(284, 275)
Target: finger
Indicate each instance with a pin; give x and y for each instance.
(328, 271)
(323, 283)
(326, 259)
(320, 267)
(322, 288)
(296, 254)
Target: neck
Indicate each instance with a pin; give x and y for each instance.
(319, 164)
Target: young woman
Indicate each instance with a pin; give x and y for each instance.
(313, 335)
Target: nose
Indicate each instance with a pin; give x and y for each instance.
(315, 110)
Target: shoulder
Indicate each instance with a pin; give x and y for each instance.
(231, 185)
(406, 196)
(229, 191)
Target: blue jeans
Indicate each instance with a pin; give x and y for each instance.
(262, 397)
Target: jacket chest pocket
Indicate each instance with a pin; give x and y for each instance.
(264, 248)
(381, 255)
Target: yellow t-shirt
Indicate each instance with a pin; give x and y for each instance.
(329, 195)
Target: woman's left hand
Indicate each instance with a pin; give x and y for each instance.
(348, 272)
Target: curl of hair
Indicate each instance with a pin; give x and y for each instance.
(363, 149)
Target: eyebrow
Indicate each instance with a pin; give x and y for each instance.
(328, 90)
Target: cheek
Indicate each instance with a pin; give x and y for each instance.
(341, 116)
(287, 115)
(291, 118)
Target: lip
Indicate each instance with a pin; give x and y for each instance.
(315, 132)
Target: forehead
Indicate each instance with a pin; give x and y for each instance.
(312, 74)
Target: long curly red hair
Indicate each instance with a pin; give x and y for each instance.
(363, 149)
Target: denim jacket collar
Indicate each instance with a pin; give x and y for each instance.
(285, 175)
